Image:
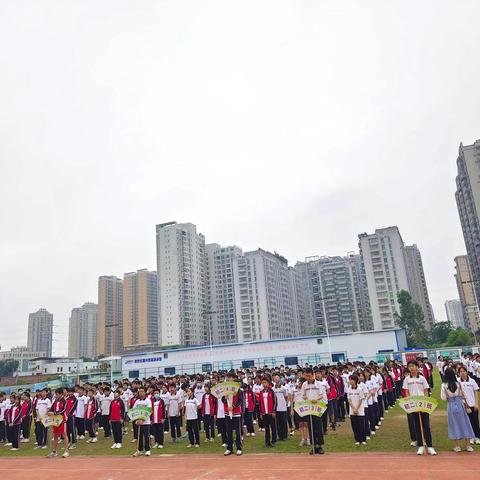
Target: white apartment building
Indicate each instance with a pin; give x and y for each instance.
(82, 331)
(221, 315)
(385, 264)
(265, 301)
(23, 355)
(455, 313)
(40, 331)
(181, 273)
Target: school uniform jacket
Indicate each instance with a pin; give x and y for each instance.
(237, 403)
(26, 409)
(159, 410)
(212, 401)
(15, 415)
(91, 408)
(249, 401)
(59, 407)
(271, 406)
(117, 410)
(71, 406)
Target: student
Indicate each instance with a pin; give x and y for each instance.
(459, 426)
(14, 418)
(191, 407)
(59, 407)
(314, 391)
(470, 392)
(320, 377)
(80, 413)
(133, 401)
(233, 419)
(174, 406)
(257, 388)
(143, 425)
(208, 407)
(3, 408)
(26, 403)
(105, 400)
(356, 397)
(158, 419)
(249, 408)
(220, 421)
(414, 385)
(281, 397)
(42, 406)
(268, 411)
(91, 410)
(70, 415)
(116, 416)
(299, 422)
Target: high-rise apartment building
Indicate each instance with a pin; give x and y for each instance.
(110, 316)
(182, 284)
(140, 309)
(455, 313)
(467, 294)
(330, 293)
(221, 313)
(40, 332)
(265, 300)
(297, 286)
(385, 264)
(467, 196)
(417, 284)
(82, 331)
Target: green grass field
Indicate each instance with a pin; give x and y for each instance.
(392, 437)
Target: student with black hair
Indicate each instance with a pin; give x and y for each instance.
(27, 409)
(143, 425)
(14, 420)
(268, 411)
(158, 418)
(116, 416)
(3, 409)
(356, 402)
(58, 408)
(233, 417)
(470, 392)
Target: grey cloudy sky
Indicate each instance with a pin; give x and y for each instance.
(287, 125)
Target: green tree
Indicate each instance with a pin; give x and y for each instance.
(458, 337)
(8, 367)
(410, 319)
(439, 332)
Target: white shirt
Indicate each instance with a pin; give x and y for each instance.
(199, 393)
(220, 409)
(281, 396)
(207, 403)
(364, 388)
(146, 402)
(314, 391)
(105, 401)
(43, 406)
(469, 389)
(191, 408)
(173, 402)
(357, 397)
(415, 385)
(3, 408)
(81, 401)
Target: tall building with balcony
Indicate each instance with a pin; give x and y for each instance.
(417, 284)
(330, 295)
(467, 294)
(40, 332)
(110, 316)
(455, 313)
(82, 331)
(221, 314)
(182, 284)
(467, 196)
(264, 297)
(140, 309)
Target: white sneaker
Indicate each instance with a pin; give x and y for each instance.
(189, 445)
(357, 443)
(13, 449)
(413, 444)
(302, 442)
(133, 440)
(431, 451)
(206, 440)
(114, 446)
(469, 448)
(197, 445)
(65, 454)
(155, 446)
(239, 452)
(44, 447)
(457, 449)
(253, 434)
(9, 444)
(159, 446)
(94, 440)
(119, 445)
(81, 437)
(364, 443)
(227, 452)
(420, 451)
(24, 440)
(148, 453)
(136, 454)
(477, 441)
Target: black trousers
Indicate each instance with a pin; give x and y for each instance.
(380, 407)
(117, 431)
(8, 428)
(222, 429)
(193, 432)
(3, 432)
(80, 425)
(144, 440)
(25, 426)
(175, 431)
(157, 432)
(324, 420)
(166, 425)
(270, 426)
(105, 422)
(259, 416)
(282, 426)
(473, 416)
(248, 421)
(209, 426)
(411, 428)
(358, 427)
(315, 430)
(89, 423)
(341, 409)
(234, 424)
(135, 431)
(15, 434)
(425, 419)
(71, 432)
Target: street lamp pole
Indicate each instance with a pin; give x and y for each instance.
(209, 314)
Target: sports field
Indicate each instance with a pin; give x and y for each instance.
(392, 437)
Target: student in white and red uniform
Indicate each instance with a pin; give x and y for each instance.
(70, 414)
(249, 407)
(91, 410)
(116, 416)
(281, 395)
(356, 397)
(208, 407)
(220, 421)
(256, 389)
(470, 392)
(59, 407)
(233, 418)
(14, 420)
(27, 410)
(42, 406)
(143, 425)
(158, 418)
(268, 412)
(3, 408)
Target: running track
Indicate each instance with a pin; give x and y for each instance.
(338, 466)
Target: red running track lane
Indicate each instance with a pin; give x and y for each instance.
(365, 466)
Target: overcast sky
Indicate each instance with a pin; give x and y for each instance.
(287, 125)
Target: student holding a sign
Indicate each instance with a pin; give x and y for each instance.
(300, 422)
(143, 446)
(234, 406)
(416, 385)
(59, 408)
(268, 412)
(459, 426)
(470, 391)
(315, 392)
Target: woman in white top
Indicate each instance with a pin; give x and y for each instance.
(356, 396)
(299, 421)
(191, 406)
(470, 392)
